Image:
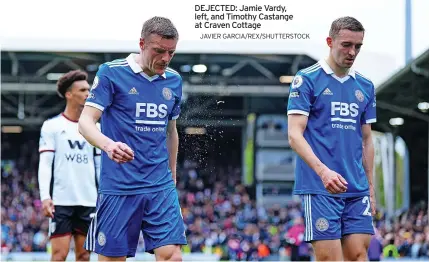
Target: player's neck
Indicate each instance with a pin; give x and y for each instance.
(72, 112)
(338, 71)
(148, 72)
(145, 69)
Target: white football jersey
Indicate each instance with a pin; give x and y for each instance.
(74, 180)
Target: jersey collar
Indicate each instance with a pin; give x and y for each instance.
(329, 70)
(137, 69)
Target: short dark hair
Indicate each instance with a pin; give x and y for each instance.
(346, 22)
(67, 80)
(161, 26)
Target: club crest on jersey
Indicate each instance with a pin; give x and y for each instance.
(297, 82)
(101, 239)
(95, 83)
(359, 95)
(166, 93)
(322, 224)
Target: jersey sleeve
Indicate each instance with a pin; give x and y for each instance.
(175, 112)
(47, 138)
(101, 93)
(45, 174)
(370, 114)
(300, 92)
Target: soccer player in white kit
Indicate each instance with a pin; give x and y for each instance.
(68, 171)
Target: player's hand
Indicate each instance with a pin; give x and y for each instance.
(119, 152)
(48, 208)
(372, 201)
(333, 181)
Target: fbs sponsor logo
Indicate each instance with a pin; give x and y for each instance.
(151, 110)
(344, 109)
(344, 115)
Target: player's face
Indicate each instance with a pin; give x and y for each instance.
(78, 92)
(157, 53)
(345, 47)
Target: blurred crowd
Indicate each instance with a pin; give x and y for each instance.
(219, 213)
(222, 218)
(407, 235)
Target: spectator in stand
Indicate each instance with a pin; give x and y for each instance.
(390, 250)
(375, 249)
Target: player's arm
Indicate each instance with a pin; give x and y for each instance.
(46, 159)
(368, 153)
(297, 124)
(88, 127)
(172, 134)
(97, 161)
(117, 151)
(100, 98)
(299, 104)
(368, 118)
(173, 146)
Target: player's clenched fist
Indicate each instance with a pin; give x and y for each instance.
(119, 152)
(48, 208)
(333, 181)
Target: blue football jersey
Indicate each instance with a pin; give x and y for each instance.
(136, 110)
(336, 109)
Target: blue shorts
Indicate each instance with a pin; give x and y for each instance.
(329, 218)
(115, 229)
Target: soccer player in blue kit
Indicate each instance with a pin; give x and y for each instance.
(330, 110)
(137, 100)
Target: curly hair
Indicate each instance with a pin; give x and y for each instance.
(67, 80)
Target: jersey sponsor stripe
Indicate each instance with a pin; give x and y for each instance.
(150, 122)
(346, 120)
